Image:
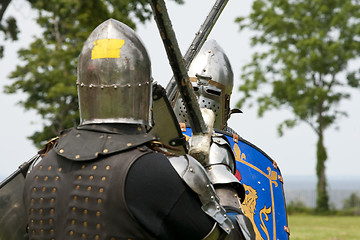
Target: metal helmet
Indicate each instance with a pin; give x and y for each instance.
(212, 79)
(114, 77)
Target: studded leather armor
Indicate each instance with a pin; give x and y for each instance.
(67, 194)
(53, 213)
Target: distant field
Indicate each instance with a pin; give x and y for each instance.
(307, 227)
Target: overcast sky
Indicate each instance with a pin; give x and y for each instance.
(295, 152)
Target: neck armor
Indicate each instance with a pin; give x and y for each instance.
(114, 77)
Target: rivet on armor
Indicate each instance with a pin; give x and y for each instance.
(71, 233)
(33, 232)
(52, 231)
(43, 189)
(129, 144)
(128, 85)
(101, 190)
(94, 167)
(90, 86)
(41, 231)
(96, 154)
(73, 222)
(89, 188)
(103, 179)
(83, 166)
(77, 156)
(102, 87)
(52, 211)
(56, 178)
(217, 207)
(61, 151)
(191, 170)
(77, 187)
(41, 211)
(227, 229)
(97, 237)
(31, 211)
(105, 150)
(73, 209)
(101, 136)
(32, 201)
(41, 200)
(207, 185)
(259, 182)
(115, 87)
(75, 198)
(91, 176)
(83, 236)
(107, 167)
(263, 189)
(139, 129)
(49, 168)
(225, 216)
(79, 177)
(212, 197)
(85, 224)
(98, 226)
(86, 199)
(60, 169)
(85, 211)
(98, 214)
(34, 189)
(51, 221)
(109, 137)
(52, 200)
(41, 222)
(139, 84)
(99, 201)
(36, 178)
(46, 178)
(112, 238)
(54, 190)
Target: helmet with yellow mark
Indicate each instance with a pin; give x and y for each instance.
(114, 77)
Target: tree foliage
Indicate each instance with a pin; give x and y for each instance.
(8, 27)
(49, 74)
(302, 64)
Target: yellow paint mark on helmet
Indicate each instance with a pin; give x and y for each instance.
(107, 48)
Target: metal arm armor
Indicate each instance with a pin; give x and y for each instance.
(221, 165)
(195, 176)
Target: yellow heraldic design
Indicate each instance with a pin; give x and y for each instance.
(107, 48)
(249, 207)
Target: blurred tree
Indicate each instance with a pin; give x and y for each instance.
(49, 74)
(8, 27)
(302, 64)
(353, 202)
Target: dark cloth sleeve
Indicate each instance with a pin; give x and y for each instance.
(162, 203)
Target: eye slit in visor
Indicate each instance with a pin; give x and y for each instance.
(213, 92)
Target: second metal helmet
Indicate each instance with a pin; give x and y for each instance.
(212, 78)
(114, 77)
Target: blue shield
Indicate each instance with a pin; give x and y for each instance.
(264, 202)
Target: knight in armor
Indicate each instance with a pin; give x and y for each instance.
(212, 79)
(102, 179)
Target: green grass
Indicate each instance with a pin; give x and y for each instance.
(310, 227)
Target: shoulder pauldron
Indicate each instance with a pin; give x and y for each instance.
(81, 145)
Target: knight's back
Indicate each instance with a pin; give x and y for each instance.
(77, 199)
